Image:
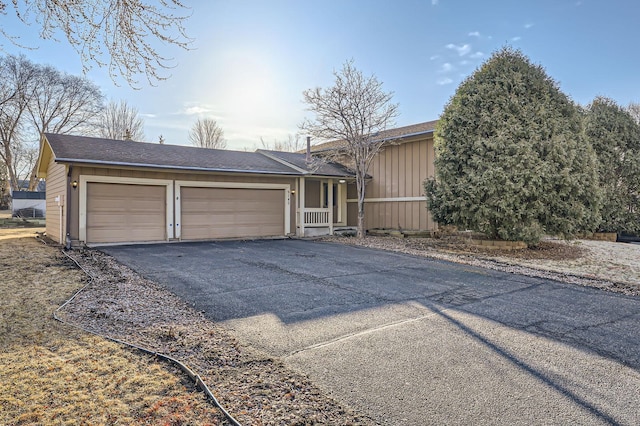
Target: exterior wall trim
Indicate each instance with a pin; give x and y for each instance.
(84, 179)
(239, 185)
(387, 200)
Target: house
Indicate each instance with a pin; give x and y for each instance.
(394, 197)
(118, 191)
(28, 204)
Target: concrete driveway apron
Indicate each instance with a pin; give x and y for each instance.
(413, 341)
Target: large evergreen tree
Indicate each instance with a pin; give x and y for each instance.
(615, 137)
(511, 158)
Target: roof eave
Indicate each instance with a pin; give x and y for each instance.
(328, 176)
(384, 140)
(44, 145)
(170, 167)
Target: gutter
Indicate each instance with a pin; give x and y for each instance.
(71, 161)
(67, 243)
(169, 167)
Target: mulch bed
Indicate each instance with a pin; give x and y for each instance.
(545, 250)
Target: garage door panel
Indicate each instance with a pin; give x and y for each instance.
(210, 213)
(125, 213)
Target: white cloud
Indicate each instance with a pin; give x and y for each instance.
(434, 2)
(527, 26)
(446, 67)
(474, 34)
(148, 115)
(477, 55)
(434, 57)
(191, 108)
(444, 81)
(195, 110)
(517, 38)
(462, 50)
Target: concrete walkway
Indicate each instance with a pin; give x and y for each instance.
(412, 341)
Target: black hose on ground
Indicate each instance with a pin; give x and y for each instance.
(192, 375)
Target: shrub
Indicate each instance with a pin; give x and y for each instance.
(511, 158)
(615, 137)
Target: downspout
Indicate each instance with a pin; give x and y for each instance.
(67, 245)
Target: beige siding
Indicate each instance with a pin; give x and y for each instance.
(312, 193)
(169, 175)
(399, 171)
(209, 213)
(56, 214)
(121, 213)
(352, 214)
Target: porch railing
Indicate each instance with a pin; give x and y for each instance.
(316, 217)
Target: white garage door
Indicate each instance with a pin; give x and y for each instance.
(209, 213)
(119, 213)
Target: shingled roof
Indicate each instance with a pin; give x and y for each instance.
(99, 151)
(396, 135)
(317, 166)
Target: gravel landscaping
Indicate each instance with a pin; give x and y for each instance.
(606, 265)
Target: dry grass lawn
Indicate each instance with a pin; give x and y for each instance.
(54, 374)
(13, 233)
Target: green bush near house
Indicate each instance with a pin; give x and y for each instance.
(512, 161)
(615, 137)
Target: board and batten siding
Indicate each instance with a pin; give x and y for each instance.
(175, 176)
(56, 199)
(395, 194)
(312, 193)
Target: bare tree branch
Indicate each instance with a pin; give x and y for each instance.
(35, 99)
(121, 121)
(120, 35)
(206, 133)
(293, 143)
(16, 91)
(354, 111)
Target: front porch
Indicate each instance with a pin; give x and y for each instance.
(321, 206)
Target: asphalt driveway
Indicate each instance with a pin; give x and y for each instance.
(414, 341)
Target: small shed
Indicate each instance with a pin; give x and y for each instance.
(29, 204)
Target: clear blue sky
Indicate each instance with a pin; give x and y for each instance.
(251, 60)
